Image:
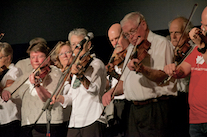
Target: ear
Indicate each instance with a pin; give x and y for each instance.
(144, 24)
(9, 56)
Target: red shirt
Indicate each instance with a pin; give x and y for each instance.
(197, 88)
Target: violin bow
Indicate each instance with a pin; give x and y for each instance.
(67, 73)
(176, 63)
(34, 71)
(1, 35)
(189, 19)
(124, 67)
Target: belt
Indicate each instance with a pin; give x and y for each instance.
(119, 100)
(145, 102)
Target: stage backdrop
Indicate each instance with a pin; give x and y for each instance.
(23, 20)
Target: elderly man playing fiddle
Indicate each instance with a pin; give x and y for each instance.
(117, 110)
(179, 29)
(195, 64)
(150, 102)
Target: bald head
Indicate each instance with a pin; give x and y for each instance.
(114, 33)
(204, 14)
(204, 20)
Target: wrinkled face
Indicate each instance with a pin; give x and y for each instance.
(114, 37)
(4, 60)
(36, 58)
(175, 30)
(74, 40)
(134, 31)
(117, 41)
(65, 55)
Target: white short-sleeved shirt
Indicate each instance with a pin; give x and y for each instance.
(137, 86)
(114, 82)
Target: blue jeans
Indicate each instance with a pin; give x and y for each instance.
(198, 130)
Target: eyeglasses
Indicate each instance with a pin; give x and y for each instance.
(131, 32)
(65, 53)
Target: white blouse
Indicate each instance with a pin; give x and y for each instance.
(10, 110)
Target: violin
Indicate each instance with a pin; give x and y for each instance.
(83, 62)
(181, 52)
(140, 52)
(117, 59)
(41, 73)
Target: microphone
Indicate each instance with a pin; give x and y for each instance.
(88, 37)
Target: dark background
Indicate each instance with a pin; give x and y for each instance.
(23, 20)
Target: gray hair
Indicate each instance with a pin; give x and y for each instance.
(78, 32)
(6, 49)
(134, 16)
(185, 21)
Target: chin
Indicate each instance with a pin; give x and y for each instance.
(35, 66)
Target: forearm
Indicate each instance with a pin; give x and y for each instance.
(154, 75)
(117, 90)
(42, 93)
(179, 73)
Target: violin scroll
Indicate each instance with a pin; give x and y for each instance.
(1, 35)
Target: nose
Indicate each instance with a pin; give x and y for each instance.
(173, 36)
(114, 43)
(36, 59)
(131, 36)
(65, 54)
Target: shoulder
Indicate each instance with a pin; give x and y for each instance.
(55, 71)
(97, 62)
(158, 41)
(152, 37)
(23, 62)
(13, 71)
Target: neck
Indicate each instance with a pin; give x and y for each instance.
(7, 65)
